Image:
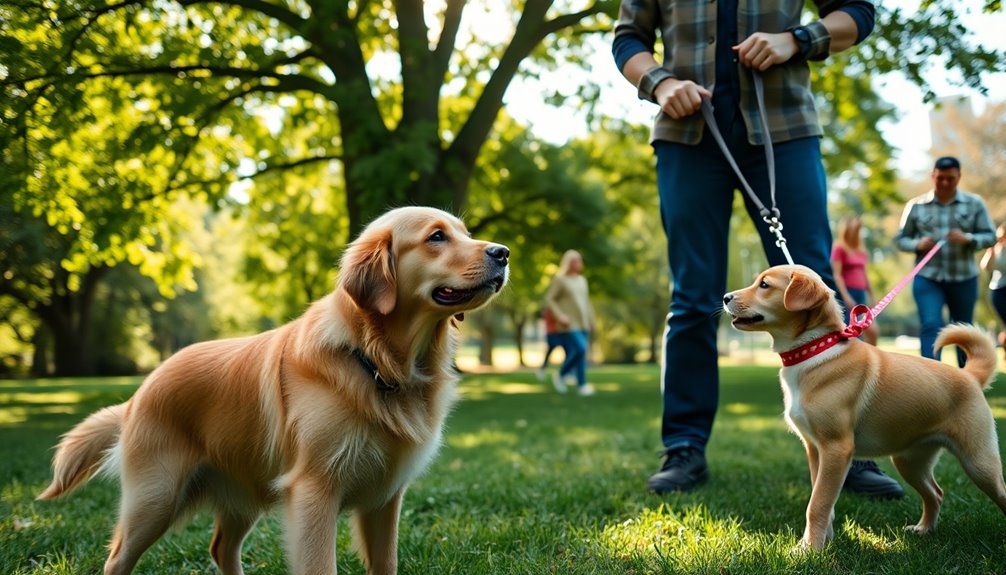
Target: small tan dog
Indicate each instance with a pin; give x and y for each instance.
(338, 410)
(846, 398)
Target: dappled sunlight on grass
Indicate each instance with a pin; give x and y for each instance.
(53, 397)
(21, 414)
(752, 423)
(870, 539)
(998, 411)
(484, 389)
(739, 408)
(76, 383)
(482, 438)
(693, 540)
(530, 481)
(661, 528)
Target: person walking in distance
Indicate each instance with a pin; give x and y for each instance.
(848, 263)
(994, 261)
(568, 298)
(950, 279)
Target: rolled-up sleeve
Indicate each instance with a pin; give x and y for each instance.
(984, 234)
(906, 239)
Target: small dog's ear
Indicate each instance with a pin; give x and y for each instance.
(367, 272)
(803, 293)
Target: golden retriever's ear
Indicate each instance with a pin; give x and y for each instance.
(367, 272)
(803, 293)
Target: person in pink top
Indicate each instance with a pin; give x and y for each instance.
(848, 263)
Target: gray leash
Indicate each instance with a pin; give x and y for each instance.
(770, 217)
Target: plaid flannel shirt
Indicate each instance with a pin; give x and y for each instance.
(688, 32)
(926, 217)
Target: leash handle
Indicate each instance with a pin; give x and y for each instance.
(770, 217)
(857, 326)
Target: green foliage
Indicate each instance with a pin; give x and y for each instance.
(862, 177)
(914, 41)
(305, 119)
(532, 482)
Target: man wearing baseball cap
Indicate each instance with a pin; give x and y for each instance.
(950, 279)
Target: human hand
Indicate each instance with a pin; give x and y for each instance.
(925, 244)
(563, 320)
(680, 98)
(958, 237)
(763, 50)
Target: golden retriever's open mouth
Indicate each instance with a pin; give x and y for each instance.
(448, 296)
(747, 320)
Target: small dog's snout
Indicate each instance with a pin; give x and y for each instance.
(727, 298)
(499, 253)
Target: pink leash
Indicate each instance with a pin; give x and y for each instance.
(856, 326)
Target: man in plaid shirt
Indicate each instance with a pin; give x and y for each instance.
(951, 278)
(709, 50)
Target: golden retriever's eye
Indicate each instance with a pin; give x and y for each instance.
(437, 236)
(764, 285)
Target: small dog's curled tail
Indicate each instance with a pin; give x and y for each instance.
(982, 362)
(83, 450)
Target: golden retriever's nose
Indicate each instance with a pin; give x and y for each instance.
(727, 298)
(498, 252)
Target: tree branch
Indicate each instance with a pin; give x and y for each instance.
(448, 37)
(483, 114)
(280, 166)
(280, 13)
(420, 85)
(569, 20)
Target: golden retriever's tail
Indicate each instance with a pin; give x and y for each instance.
(982, 362)
(83, 450)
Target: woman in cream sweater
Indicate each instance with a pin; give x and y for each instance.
(568, 299)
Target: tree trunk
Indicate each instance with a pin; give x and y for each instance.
(68, 318)
(72, 356)
(40, 352)
(486, 336)
(519, 321)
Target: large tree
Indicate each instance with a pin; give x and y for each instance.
(113, 109)
(356, 84)
(363, 86)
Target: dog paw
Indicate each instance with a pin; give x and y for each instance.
(919, 529)
(805, 547)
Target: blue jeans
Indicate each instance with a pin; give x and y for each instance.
(998, 297)
(574, 344)
(858, 295)
(552, 341)
(930, 297)
(696, 187)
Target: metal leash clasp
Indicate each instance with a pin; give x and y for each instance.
(775, 226)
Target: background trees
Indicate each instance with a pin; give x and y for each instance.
(131, 129)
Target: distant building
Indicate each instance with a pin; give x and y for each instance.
(945, 121)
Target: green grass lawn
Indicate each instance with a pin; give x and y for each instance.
(533, 482)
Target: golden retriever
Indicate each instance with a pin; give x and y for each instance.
(855, 399)
(337, 410)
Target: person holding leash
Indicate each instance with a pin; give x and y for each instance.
(711, 51)
(951, 278)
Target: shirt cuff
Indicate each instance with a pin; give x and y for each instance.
(820, 41)
(649, 81)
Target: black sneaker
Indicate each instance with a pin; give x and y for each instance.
(684, 468)
(867, 479)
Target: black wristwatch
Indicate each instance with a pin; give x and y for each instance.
(803, 41)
